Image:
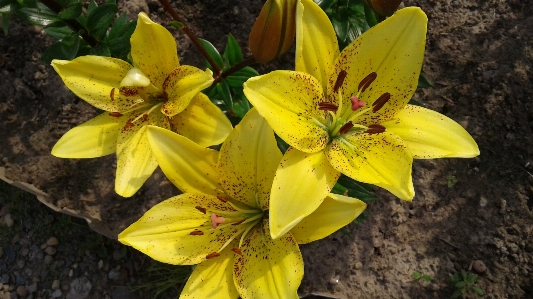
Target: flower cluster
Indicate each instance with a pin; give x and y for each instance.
(245, 208)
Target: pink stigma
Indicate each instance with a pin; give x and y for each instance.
(216, 220)
(356, 103)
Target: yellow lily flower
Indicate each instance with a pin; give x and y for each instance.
(347, 113)
(155, 90)
(221, 222)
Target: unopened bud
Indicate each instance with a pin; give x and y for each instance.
(273, 31)
(384, 8)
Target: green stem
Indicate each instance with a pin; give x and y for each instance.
(247, 62)
(73, 24)
(191, 35)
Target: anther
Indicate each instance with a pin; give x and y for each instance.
(128, 125)
(340, 80)
(375, 129)
(222, 199)
(327, 106)
(203, 210)
(236, 250)
(145, 117)
(115, 114)
(239, 222)
(197, 233)
(356, 103)
(365, 83)
(212, 255)
(112, 94)
(216, 220)
(380, 102)
(346, 128)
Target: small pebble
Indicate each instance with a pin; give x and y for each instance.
(117, 255)
(52, 241)
(25, 251)
(479, 266)
(50, 250)
(48, 259)
(114, 274)
(57, 294)
(21, 291)
(8, 220)
(100, 264)
(358, 265)
(70, 273)
(56, 284)
(32, 287)
(483, 202)
(20, 264)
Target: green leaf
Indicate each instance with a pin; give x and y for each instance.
(463, 273)
(238, 78)
(417, 275)
(460, 285)
(423, 82)
(282, 145)
(471, 278)
(29, 3)
(58, 32)
(325, 4)
(91, 7)
(176, 24)
(240, 104)
(340, 23)
(100, 18)
(101, 49)
(40, 16)
(5, 21)
(224, 93)
(454, 277)
(457, 293)
(339, 189)
(213, 53)
(119, 36)
(426, 277)
(477, 290)
(371, 17)
(232, 53)
(4, 3)
(65, 49)
(357, 189)
(71, 12)
(416, 103)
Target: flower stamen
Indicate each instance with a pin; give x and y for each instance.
(197, 233)
(340, 80)
(365, 83)
(203, 210)
(212, 255)
(327, 106)
(380, 102)
(375, 129)
(346, 128)
(236, 250)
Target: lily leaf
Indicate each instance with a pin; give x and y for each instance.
(213, 53)
(99, 19)
(232, 53)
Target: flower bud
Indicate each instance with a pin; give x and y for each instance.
(384, 8)
(274, 30)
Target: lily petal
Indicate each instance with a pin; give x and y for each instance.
(182, 85)
(164, 232)
(202, 122)
(153, 50)
(334, 213)
(380, 159)
(301, 183)
(312, 57)
(192, 168)
(429, 134)
(289, 102)
(268, 269)
(212, 278)
(248, 161)
(394, 50)
(96, 137)
(96, 80)
(135, 160)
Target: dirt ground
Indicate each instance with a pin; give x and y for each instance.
(479, 56)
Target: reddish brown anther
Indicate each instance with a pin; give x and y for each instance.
(115, 114)
(365, 83)
(346, 128)
(128, 125)
(112, 94)
(203, 210)
(197, 233)
(375, 129)
(327, 106)
(356, 103)
(212, 255)
(236, 250)
(340, 80)
(380, 102)
(239, 222)
(145, 117)
(222, 199)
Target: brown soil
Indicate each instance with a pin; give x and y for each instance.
(479, 56)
